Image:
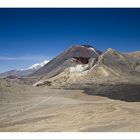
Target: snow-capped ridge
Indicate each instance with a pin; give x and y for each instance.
(24, 72)
(93, 49)
(38, 65)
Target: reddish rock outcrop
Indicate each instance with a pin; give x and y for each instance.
(83, 60)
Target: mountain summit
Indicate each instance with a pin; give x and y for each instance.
(70, 57)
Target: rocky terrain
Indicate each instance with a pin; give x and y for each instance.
(82, 89)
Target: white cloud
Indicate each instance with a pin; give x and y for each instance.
(5, 58)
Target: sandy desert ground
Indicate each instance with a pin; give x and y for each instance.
(43, 109)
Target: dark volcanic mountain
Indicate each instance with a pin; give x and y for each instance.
(77, 53)
(84, 64)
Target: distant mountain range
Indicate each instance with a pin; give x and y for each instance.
(24, 72)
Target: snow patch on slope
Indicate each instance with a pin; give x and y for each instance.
(93, 50)
(38, 65)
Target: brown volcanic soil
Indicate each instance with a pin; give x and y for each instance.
(26, 108)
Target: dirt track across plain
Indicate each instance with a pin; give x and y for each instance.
(67, 110)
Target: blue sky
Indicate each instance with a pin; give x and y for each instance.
(29, 36)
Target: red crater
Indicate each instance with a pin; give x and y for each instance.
(83, 60)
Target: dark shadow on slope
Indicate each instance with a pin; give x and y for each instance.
(123, 92)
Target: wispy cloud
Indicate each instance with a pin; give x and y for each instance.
(5, 58)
